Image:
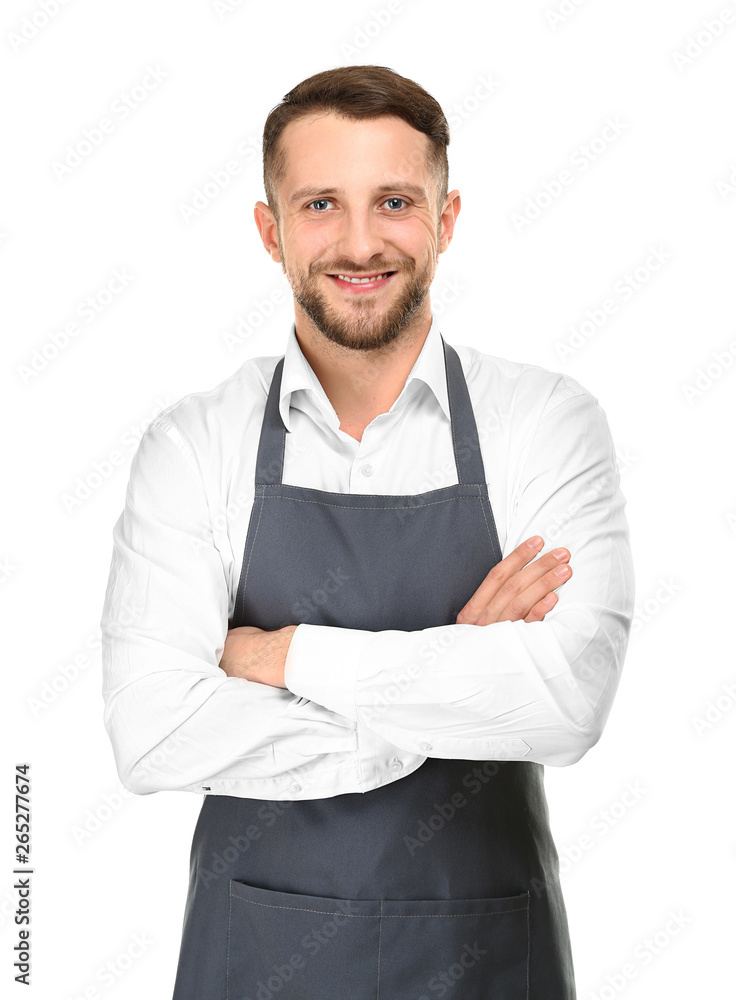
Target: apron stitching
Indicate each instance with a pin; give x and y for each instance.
(282, 429)
(528, 948)
(380, 928)
(321, 503)
(494, 534)
(483, 509)
(398, 496)
(494, 547)
(386, 916)
(227, 962)
(306, 909)
(434, 916)
(451, 408)
(253, 545)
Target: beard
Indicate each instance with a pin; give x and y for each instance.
(362, 325)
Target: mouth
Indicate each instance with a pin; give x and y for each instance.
(359, 284)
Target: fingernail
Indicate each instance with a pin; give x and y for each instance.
(559, 553)
(533, 543)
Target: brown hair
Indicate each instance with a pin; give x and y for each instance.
(356, 92)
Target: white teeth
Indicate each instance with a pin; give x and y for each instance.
(362, 281)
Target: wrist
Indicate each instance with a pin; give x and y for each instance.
(286, 633)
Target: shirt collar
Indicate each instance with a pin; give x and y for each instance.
(429, 368)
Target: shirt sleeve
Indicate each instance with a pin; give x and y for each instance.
(173, 716)
(539, 691)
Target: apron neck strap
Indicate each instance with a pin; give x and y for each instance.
(466, 447)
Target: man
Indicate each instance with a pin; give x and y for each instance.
(370, 731)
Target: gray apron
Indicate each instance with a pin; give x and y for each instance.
(442, 883)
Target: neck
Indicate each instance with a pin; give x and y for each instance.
(361, 384)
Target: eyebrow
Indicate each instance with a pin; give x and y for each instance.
(312, 192)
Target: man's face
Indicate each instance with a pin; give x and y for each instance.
(384, 220)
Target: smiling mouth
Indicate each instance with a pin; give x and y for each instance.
(358, 282)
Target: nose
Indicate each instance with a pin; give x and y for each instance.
(359, 237)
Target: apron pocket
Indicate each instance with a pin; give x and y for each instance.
(287, 946)
(457, 949)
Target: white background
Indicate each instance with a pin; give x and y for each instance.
(111, 867)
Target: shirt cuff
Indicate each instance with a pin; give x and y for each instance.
(322, 665)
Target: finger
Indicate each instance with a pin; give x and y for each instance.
(541, 608)
(498, 575)
(520, 606)
(495, 593)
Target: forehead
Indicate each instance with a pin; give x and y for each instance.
(330, 149)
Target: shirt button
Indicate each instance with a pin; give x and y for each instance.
(367, 470)
(424, 747)
(396, 764)
(295, 788)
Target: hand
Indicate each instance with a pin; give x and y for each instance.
(514, 592)
(256, 655)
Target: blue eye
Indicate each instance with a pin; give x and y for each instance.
(323, 201)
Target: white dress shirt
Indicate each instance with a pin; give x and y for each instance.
(361, 708)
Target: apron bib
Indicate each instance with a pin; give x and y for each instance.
(442, 883)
